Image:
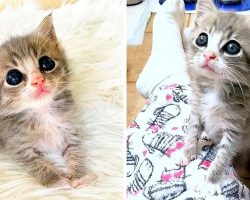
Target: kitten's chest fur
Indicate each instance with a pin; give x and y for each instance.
(45, 128)
(211, 110)
(220, 107)
(52, 128)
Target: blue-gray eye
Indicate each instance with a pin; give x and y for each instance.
(14, 77)
(232, 47)
(202, 40)
(46, 63)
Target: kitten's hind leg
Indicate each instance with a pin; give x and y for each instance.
(189, 151)
(73, 154)
(36, 165)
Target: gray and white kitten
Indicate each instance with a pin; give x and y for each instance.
(218, 57)
(37, 111)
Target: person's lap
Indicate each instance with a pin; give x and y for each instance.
(155, 138)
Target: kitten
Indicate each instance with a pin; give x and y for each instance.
(218, 56)
(37, 112)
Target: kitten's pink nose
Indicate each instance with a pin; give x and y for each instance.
(209, 55)
(38, 80)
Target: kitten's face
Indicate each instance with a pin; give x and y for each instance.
(33, 69)
(219, 46)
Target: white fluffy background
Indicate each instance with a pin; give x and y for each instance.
(92, 33)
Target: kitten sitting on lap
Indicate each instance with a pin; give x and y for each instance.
(218, 57)
(37, 112)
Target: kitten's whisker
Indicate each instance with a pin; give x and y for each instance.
(230, 81)
(237, 73)
(244, 68)
(241, 67)
(237, 62)
(238, 84)
(241, 76)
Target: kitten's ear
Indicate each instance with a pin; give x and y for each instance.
(204, 7)
(46, 28)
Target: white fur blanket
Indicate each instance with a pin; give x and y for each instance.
(91, 33)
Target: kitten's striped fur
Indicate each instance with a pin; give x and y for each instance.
(30, 129)
(220, 100)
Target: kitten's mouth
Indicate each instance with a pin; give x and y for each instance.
(40, 92)
(208, 67)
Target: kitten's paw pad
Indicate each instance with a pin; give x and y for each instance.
(183, 158)
(84, 181)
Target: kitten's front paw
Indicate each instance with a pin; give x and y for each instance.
(207, 188)
(184, 157)
(62, 183)
(84, 181)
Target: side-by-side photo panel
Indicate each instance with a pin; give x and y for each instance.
(62, 110)
(187, 100)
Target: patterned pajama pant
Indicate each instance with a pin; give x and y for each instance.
(153, 140)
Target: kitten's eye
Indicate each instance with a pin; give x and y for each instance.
(202, 39)
(14, 77)
(46, 63)
(232, 47)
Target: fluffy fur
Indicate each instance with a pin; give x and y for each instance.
(220, 88)
(95, 60)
